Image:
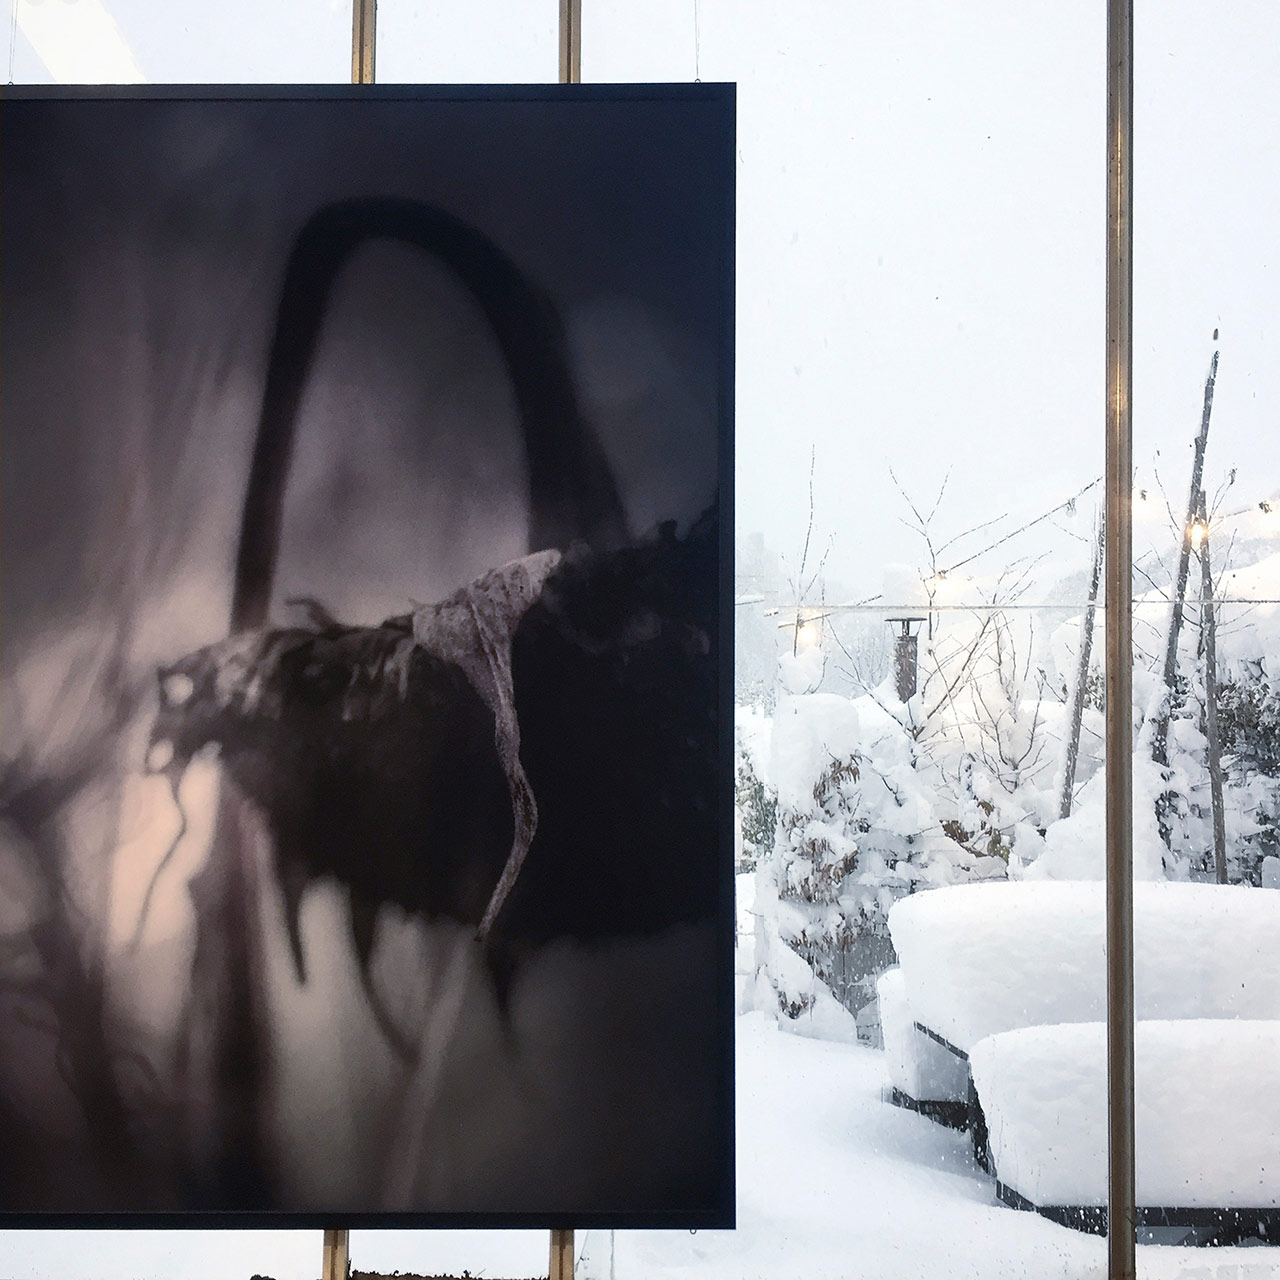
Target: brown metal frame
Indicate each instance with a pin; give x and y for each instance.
(1121, 1197)
(561, 1262)
(364, 30)
(570, 41)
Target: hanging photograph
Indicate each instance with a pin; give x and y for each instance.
(365, 788)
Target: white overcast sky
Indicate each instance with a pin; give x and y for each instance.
(920, 275)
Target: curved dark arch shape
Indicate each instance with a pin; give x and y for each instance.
(572, 490)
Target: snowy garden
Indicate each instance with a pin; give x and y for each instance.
(921, 813)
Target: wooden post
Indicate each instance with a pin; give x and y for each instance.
(363, 39)
(337, 1257)
(364, 27)
(561, 1254)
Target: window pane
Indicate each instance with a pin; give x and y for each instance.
(485, 42)
(136, 41)
(920, 285)
(919, 436)
(1207, 674)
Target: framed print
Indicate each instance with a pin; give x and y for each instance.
(365, 835)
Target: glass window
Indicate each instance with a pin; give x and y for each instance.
(919, 432)
(487, 42)
(1207, 639)
(920, 387)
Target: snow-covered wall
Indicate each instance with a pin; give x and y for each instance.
(1207, 1124)
(980, 959)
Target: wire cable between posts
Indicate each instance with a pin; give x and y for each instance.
(13, 35)
(697, 46)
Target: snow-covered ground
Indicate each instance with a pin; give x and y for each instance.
(832, 1182)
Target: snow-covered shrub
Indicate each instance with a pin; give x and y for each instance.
(755, 800)
(1012, 700)
(1075, 848)
(980, 723)
(856, 831)
(1184, 808)
(1174, 730)
(1249, 722)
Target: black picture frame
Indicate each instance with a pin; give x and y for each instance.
(176, 270)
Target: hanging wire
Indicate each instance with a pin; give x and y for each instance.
(13, 35)
(697, 46)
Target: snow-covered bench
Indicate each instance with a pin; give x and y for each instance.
(979, 962)
(923, 1075)
(1207, 1122)
(976, 960)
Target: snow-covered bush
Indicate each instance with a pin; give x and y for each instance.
(985, 721)
(856, 831)
(1075, 848)
(755, 800)
(1182, 805)
(1244, 639)
(1249, 721)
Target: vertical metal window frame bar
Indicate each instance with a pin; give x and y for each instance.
(1121, 1190)
(364, 32)
(570, 41)
(336, 1259)
(562, 1244)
